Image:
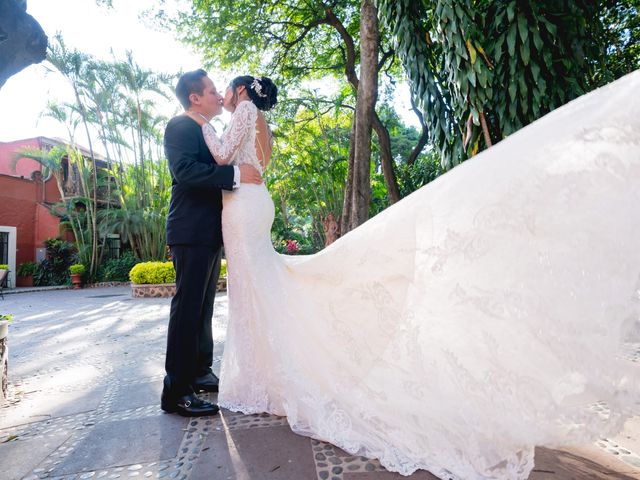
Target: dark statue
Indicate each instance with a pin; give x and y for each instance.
(22, 40)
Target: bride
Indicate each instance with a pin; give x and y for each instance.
(481, 316)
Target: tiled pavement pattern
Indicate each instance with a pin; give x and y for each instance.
(85, 377)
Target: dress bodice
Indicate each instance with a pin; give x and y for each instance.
(236, 146)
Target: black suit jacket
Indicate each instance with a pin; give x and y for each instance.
(196, 199)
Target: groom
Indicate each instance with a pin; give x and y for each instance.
(194, 236)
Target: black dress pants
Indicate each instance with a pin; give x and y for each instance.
(189, 340)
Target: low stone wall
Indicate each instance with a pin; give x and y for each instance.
(156, 290)
(4, 360)
(164, 290)
(106, 284)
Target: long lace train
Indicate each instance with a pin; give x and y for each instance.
(475, 319)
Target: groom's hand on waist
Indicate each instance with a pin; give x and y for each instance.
(249, 174)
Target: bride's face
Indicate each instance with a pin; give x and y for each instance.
(228, 103)
(231, 100)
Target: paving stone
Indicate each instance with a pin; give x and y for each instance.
(136, 395)
(420, 475)
(630, 436)
(37, 407)
(271, 453)
(141, 368)
(102, 353)
(126, 442)
(20, 457)
(569, 465)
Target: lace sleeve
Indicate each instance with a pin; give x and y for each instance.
(223, 149)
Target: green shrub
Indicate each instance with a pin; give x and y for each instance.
(27, 269)
(223, 268)
(77, 268)
(153, 272)
(6, 316)
(54, 270)
(4, 267)
(117, 269)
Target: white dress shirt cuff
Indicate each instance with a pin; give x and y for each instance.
(236, 177)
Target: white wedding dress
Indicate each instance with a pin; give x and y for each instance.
(477, 318)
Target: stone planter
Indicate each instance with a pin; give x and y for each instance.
(24, 281)
(155, 290)
(4, 360)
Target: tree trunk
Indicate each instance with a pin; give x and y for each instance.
(22, 40)
(348, 190)
(365, 112)
(381, 131)
(93, 268)
(386, 159)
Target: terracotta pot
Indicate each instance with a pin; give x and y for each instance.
(26, 281)
(76, 279)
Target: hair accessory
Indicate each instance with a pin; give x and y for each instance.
(257, 87)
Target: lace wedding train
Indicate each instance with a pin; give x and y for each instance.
(475, 319)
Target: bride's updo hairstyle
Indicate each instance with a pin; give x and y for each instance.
(262, 91)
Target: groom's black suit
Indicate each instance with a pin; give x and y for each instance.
(194, 235)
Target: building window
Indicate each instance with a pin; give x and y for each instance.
(4, 248)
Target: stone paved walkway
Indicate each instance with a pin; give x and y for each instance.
(86, 370)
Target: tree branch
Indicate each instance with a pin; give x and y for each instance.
(386, 56)
(424, 137)
(350, 64)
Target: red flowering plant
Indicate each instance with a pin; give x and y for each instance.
(292, 247)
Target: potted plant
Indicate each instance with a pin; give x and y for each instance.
(5, 320)
(25, 272)
(76, 271)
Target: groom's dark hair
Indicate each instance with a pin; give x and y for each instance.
(190, 82)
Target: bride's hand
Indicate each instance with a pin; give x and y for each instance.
(199, 119)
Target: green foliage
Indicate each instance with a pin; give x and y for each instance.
(505, 64)
(27, 269)
(542, 52)
(620, 33)
(4, 266)
(117, 269)
(308, 168)
(426, 169)
(427, 165)
(223, 268)
(50, 160)
(77, 268)
(153, 272)
(7, 317)
(54, 269)
(297, 36)
(294, 42)
(131, 195)
(410, 23)
(468, 70)
(144, 203)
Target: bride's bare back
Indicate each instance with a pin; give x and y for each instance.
(263, 140)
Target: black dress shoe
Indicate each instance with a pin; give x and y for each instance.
(206, 383)
(188, 406)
